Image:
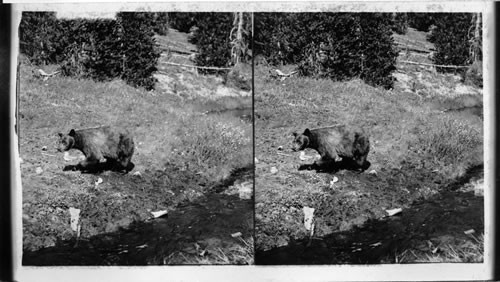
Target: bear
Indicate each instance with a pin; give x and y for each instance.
(115, 146)
(333, 143)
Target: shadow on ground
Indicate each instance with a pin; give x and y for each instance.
(426, 225)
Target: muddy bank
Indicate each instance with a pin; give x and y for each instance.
(424, 227)
(164, 240)
(200, 226)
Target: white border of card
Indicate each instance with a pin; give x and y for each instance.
(413, 272)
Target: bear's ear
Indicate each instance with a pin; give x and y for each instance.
(72, 133)
(307, 132)
(60, 134)
(295, 134)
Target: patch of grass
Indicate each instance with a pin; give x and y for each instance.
(241, 253)
(450, 146)
(469, 251)
(213, 146)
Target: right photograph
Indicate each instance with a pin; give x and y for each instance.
(369, 138)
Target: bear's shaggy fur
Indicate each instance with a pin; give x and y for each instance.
(334, 142)
(98, 144)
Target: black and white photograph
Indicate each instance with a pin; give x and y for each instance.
(251, 141)
(135, 138)
(369, 138)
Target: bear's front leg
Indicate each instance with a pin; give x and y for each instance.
(89, 164)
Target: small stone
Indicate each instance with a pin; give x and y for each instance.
(470, 231)
(274, 170)
(237, 234)
(280, 148)
(38, 170)
(44, 148)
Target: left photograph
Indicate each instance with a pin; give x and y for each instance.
(135, 138)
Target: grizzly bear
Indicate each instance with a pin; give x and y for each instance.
(105, 148)
(334, 142)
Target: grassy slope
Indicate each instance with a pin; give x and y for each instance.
(180, 153)
(416, 150)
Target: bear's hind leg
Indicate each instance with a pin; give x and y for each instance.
(362, 163)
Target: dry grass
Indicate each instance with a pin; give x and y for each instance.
(469, 251)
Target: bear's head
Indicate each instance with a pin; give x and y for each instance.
(301, 141)
(66, 141)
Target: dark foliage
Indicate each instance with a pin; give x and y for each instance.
(339, 46)
(138, 49)
(183, 22)
(421, 21)
(453, 36)
(101, 49)
(212, 39)
(400, 23)
(37, 36)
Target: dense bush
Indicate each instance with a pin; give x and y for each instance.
(278, 37)
(183, 22)
(421, 21)
(212, 39)
(400, 23)
(453, 38)
(138, 49)
(100, 49)
(335, 45)
(37, 36)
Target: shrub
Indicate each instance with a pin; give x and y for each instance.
(421, 21)
(278, 36)
(400, 23)
(450, 145)
(139, 51)
(213, 146)
(37, 36)
(101, 49)
(344, 46)
(212, 39)
(474, 74)
(454, 40)
(182, 21)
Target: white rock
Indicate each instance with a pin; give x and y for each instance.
(393, 211)
(274, 170)
(280, 148)
(237, 234)
(75, 217)
(137, 173)
(38, 170)
(308, 217)
(245, 190)
(470, 231)
(157, 214)
(98, 181)
(374, 172)
(256, 160)
(333, 181)
(44, 148)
